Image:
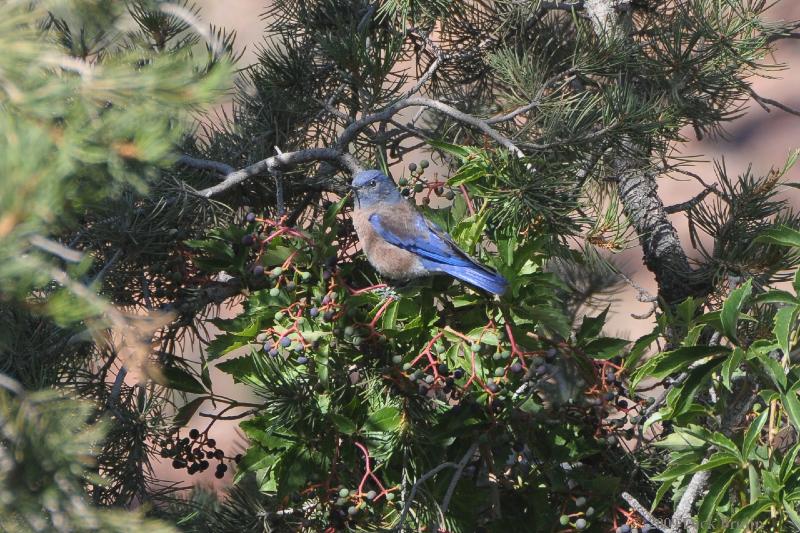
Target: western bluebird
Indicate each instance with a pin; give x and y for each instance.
(401, 244)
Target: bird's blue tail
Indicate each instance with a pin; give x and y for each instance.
(476, 275)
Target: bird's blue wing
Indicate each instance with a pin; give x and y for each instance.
(436, 249)
(420, 238)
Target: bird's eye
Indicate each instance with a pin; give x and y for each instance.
(373, 183)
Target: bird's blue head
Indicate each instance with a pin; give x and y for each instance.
(373, 186)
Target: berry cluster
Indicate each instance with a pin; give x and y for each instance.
(195, 453)
(417, 184)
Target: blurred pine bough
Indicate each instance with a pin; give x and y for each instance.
(94, 97)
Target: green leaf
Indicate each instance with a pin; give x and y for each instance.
(782, 235)
(774, 370)
(666, 363)
(731, 308)
(343, 424)
(776, 297)
(452, 149)
(187, 411)
(605, 347)
(784, 320)
(718, 488)
(179, 379)
(730, 365)
(640, 347)
(791, 512)
(753, 483)
(752, 434)
(792, 406)
(591, 326)
(715, 461)
(686, 392)
(740, 521)
(385, 420)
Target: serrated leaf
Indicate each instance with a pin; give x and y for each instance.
(730, 365)
(732, 307)
(784, 320)
(591, 326)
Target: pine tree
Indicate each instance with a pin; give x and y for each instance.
(133, 217)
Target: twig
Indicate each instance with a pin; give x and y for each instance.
(688, 204)
(642, 510)
(205, 164)
(425, 477)
(456, 476)
(286, 159)
(765, 102)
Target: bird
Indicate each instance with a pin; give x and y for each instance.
(401, 244)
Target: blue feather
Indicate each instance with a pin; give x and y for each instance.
(440, 254)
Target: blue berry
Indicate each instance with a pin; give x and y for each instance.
(516, 368)
(251, 217)
(269, 345)
(458, 373)
(314, 312)
(285, 342)
(258, 271)
(248, 240)
(302, 360)
(273, 352)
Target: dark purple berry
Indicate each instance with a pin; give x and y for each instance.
(238, 458)
(251, 217)
(193, 434)
(443, 370)
(222, 467)
(219, 475)
(248, 240)
(219, 455)
(204, 464)
(177, 464)
(314, 312)
(412, 167)
(458, 373)
(492, 386)
(211, 443)
(516, 368)
(326, 300)
(258, 271)
(327, 316)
